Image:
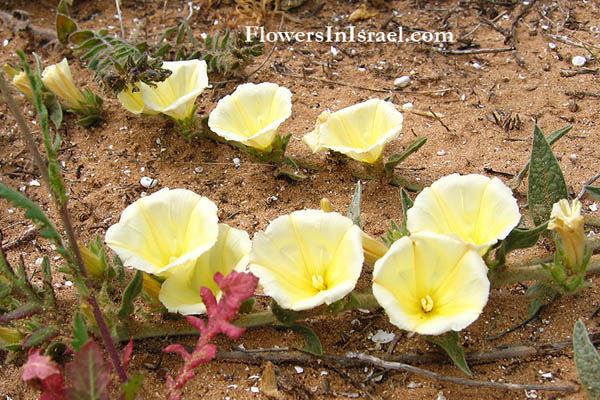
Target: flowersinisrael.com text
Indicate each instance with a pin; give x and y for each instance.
(348, 35)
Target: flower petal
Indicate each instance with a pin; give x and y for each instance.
(167, 229)
(478, 209)
(175, 96)
(427, 265)
(252, 114)
(359, 131)
(308, 258)
(59, 80)
(181, 291)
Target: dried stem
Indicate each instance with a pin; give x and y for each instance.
(391, 365)
(66, 220)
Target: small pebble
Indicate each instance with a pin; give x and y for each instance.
(407, 106)
(198, 170)
(402, 81)
(441, 152)
(382, 337)
(298, 369)
(236, 162)
(413, 385)
(578, 61)
(39, 261)
(68, 283)
(594, 207)
(476, 65)
(254, 389)
(148, 182)
(552, 45)
(34, 182)
(573, 157)
(334, 51)
(5, 42)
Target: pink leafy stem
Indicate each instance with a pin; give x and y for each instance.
(236, 287)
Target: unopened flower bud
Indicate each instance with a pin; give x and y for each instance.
(566, 220)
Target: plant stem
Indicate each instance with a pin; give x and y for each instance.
(66, 220)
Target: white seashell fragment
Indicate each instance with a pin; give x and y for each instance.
(148, 182)
(402, 81)
(578, 61)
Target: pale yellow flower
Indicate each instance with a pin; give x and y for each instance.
(252, 114)
(359, 131)
(168, 229)
(181, 291)
(59, 80)
(430, 284)
(21, 82)
(175, 96)
(478, 209)
(308, 258)
(567, 221)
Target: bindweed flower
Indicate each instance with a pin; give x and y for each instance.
(93, 264)
(430, 284)
(151, 287)
(20, 80)
(359, 131)
(252, 114)
(567, 221)
(181, 291)
(478, 209)
(308, 258)
(133, 102)
(59, 80)
(166, 230)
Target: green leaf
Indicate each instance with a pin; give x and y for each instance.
(354, 209)
(396, 159)
(593, 191)
(313, 343)
(35, 214)
(450, 342)
(81, 36)
(552, 138)
(64, 27)
(39, 336)
(133, 386)
(56, 114)
(23, 311)
(89, 374)
(518, 239)
(587, 360)
(546, 182)
(132, 291)
(80, 333)
(286, 317)
(407, 203)
(292, 175)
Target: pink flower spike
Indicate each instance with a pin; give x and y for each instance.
(196, 322)
(177, 348)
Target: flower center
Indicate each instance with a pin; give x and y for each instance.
(427, 303)
(318, 283)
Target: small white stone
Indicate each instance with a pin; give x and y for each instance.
(594, 207)
(232, 387)
(402, 81)
(334, 51)
(441, 152)
(463, 97)
(198, 170)
(34, 182)
(10, 211)
(476, 65)
(531, 394)
(5, 42)
(148, 182)
(236, 162)
(324, 373)
(547, 375)
(39, 261)
(578, 61)
(254, 389)
(382, 337)
(298, 369)
(573, 157)
(362, 69)
(127, 172)
(407, 106)
(552, 45)
(413, 385)
(68, 283)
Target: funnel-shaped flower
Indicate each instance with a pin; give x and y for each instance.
(567, 221)
(478, 209)
(252, 114)
(181, 291)
(20, 80)
(59, 80)
(175, 96)
(359, 131)
(431, 284)
(170, 228)
(307, 258)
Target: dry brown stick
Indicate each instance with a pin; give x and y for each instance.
(587, 183)
(270, 53)
(475, 51)
(28, 235)
(512, 38)
(313, 78)
(581, 93)
(390, 365)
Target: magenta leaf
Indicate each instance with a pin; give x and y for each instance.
(126, 354)
(89, 374)
(43, 373)
(236, 287)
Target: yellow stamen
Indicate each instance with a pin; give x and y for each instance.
(318, 283)
(427, 303)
